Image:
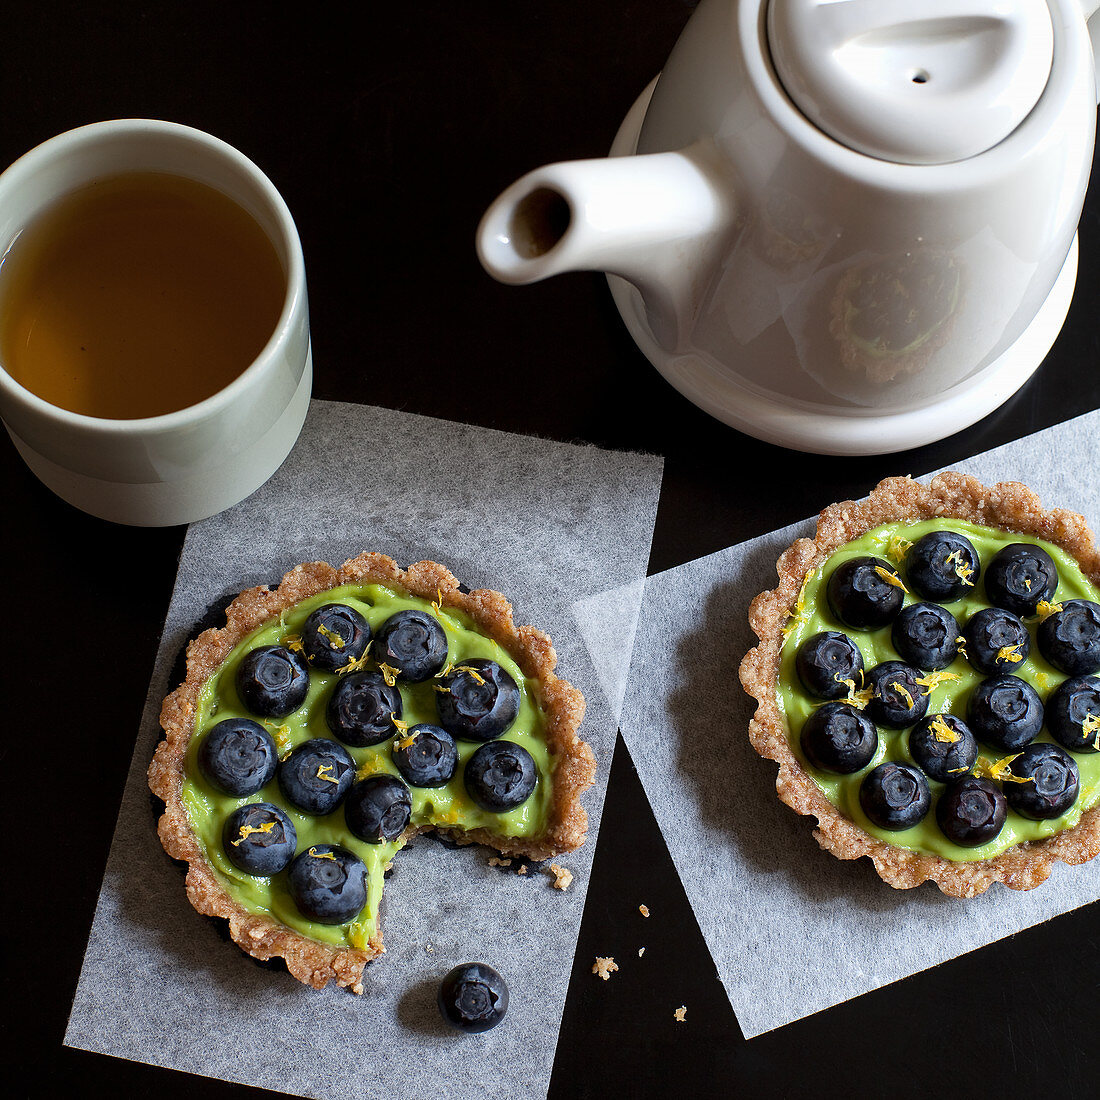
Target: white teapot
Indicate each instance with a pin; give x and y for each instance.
(846, 226)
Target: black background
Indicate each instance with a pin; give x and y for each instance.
(388, 132)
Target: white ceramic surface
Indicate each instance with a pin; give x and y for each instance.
(807, 274)
(192, 463)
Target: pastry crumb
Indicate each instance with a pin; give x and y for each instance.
(562, 876)
(644, 910)
(680, 1014)
(430, 950)
(604, 967)
(496, 861)
(521, 869)
(641, 952)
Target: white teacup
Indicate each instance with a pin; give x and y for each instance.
(188, 464)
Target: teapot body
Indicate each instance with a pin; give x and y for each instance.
(840, 277)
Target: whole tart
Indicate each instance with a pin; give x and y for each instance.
(884, 527)
(481, 639)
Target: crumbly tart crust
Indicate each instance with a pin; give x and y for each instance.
(311, 962)
(1010, 506)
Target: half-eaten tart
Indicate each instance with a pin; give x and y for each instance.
(926, 680)
(335, 717)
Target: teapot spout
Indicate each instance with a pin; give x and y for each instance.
(654, 220)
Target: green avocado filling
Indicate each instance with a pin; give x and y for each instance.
(813, 615)
(446, 807)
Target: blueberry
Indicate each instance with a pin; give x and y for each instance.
(272, 681)
(894, 796)
(926, 636)
(335, 635)
(500, 776)
(316, 776)
(1070, 639)
(259, 838)
(478, 700)
(413, 643)
(473, 997)
(238, 757)
(430, 760)
(361, 709)
(859, 594)
(328, 884)
(1052, 782)
(942, 566)
(943, 747)
(827, 659)
(378, 808)
(996, 640)
(897, 700)
(971, 811)
(838, 738)
(1074, 703)
(1005, 713)
(1019, 577)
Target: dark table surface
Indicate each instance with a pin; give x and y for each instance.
(388, 133)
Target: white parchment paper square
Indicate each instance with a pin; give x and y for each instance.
(791, 929)
(542, 522)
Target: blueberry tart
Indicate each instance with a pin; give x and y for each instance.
(335, 717)
(928, 681)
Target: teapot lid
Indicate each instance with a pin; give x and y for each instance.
(916, 83)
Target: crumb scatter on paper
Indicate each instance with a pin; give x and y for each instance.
(604, 967)
(562, 876)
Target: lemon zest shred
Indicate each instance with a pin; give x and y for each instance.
(370, 766)
(797, 618)
(322, 855)
(330, 636)
(281, 736)
(1045, 610)
(897, 546)
(324, 771)
(355, 664)
(903, 691)
(941, 731)
(1008, 653)
(248, 830)
(437, 603)
(294, 642)
(960, 641)
(1027, 583)
(963, 571)
(406, 741)
(934, 679)
(472, 671)
(1000, 770)
(389, 673)
(891, 578)
(1091, 724)
(402, 726)
(856, 698)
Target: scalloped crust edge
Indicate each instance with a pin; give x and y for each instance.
(311, 962)
(1010, 506)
